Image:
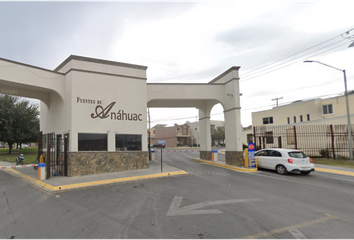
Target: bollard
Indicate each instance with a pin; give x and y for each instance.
(214, 155)
(42, 158)
(153, 155)
(41, 171)
(245, 157)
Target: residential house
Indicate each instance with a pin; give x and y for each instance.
(177, 135)
(316, 125)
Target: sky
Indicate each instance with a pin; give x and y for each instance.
(194, 42)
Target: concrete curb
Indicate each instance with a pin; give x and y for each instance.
(226, 166)
(334, 171)
(52, 188)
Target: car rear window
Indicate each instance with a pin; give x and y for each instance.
(297, 154)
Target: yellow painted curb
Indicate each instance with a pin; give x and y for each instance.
(95, 183)
(33, 180)
(226, 166)
(334, 171)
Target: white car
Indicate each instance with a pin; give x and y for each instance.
(284, 160)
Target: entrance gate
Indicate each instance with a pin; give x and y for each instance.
(57, 155)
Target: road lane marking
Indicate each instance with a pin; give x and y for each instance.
(297, 234)
(328, 217)
(175, 208)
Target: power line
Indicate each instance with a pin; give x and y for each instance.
(262, 69)
(255, 70)
(270, 67)
(270, 71)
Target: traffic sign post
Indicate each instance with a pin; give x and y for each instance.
(161, 141)
(251, 157)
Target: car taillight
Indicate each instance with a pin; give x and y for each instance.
(290, 161)
(311, 161)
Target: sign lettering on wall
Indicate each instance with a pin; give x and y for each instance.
(107, 112)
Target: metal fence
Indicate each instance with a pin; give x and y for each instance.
(56, 155)
(327, 141)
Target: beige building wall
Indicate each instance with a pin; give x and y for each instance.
(91, 87)
(312, 112)
(307, 112)
(174, 135)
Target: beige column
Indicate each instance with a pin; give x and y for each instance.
(204, 127)
(233, 137)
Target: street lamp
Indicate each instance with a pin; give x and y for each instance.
(347, 103)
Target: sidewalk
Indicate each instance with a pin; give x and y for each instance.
(66, 183)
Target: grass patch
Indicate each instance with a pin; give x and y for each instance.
(30, 155)
(335, 162)
(29, 150)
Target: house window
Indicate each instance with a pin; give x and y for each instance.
(269, 137)
(327, 109)
(184, 131)
(128, 142)
(177, 129)
(308, 117)
(294, 119)
(288, 120)
(301, 120)
(92, 142)
(250, 138)
(268, 120)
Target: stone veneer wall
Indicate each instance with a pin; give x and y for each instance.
(234, 158)
(205, 155)
(89, 163)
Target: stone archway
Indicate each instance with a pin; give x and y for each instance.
(223, 89)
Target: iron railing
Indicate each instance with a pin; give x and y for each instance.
(328, 141)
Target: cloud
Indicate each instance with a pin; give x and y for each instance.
(186, 42)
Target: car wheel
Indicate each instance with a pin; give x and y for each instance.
(305, 172)
(281, 169)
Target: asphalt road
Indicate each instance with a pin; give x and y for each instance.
(211, 202)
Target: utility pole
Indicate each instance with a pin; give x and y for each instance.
(197, 135)
(276, 99)
(149, 135)
(350, 146)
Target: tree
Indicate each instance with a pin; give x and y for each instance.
(219, 134)
(19, 121)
